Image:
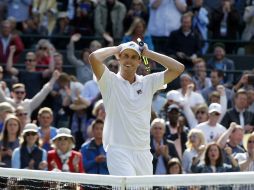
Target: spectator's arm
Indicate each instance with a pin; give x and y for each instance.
(71, 56)
(15, 160)
(225, 136)
(9, 65)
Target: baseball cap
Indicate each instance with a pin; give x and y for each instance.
(174, 95)
(131, 45)
(214, 107)
(173, 106)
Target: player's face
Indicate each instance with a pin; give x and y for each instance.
(129, 60)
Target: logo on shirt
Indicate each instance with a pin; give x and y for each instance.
(139, 91)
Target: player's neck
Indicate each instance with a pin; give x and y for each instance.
(129, 77)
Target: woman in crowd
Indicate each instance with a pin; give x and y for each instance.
(29, 155)
(174, 166)
(195, 147)
(9, 139)
(213, 161)
(63, 158)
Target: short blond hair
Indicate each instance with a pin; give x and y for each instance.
(45, 110)
(199, 134)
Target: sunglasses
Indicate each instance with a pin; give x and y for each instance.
(29, 60)
(19, 92)
(215, 113)
(113, 66)
(251, 142)
(62, 138)
(31, 134)
(21, 114)
(43, 48)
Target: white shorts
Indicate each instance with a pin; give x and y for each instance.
(127, 162)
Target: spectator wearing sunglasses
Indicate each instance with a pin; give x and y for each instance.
(22, 115)
(211, 128)
(63, 158)
(29, 155)
(19, 93)
(30, 76)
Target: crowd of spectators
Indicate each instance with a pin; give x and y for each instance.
(53, 120)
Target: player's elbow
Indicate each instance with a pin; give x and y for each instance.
(92, 58)
(180, 68)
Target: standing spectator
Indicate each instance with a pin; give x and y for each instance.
(94, 155)
(29, 77)
(83, 68)
(219, 61)
(161, 10)
(9, 139)
(182, 36)
(248, 32)
(231, 140)
(136, 10)
(239, 113)
(47, 12)
(63, 158)
(20, 11)
(19, 94)
(212, 129)
(138, 30)
(213, 162)
(8, 39)
(200, 22)
(109, 16)
(224, 23)
(200, 78)
(29, 155)
(46, 131)
(195, 148)
(161, 148)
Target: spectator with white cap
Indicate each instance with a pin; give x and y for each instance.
(29, 155)
(211, 128)
(63, 158)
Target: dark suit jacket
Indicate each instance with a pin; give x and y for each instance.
(171, 149)
(233, 116)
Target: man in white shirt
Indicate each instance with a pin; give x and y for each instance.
(211, 128)
(128, 98)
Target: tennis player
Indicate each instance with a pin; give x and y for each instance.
(127, 98)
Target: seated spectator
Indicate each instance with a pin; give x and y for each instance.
(137, 30)
(29, 77)
(216, 79)
(8, 39)
(4, 86)
(22, 115)
(161, 148)
(94, 155)
(79, 121)
(46, 131)
(83, 68)
(231, 140)
(220, 62)
(194, 98)
(174, 166)
(211, 128)
(5, 110)
(195, 148)
(19, 94)
(63, 158)
(213, 162)
(29, 155)
(179, 38)
(224, 23)
(239, 113)
(246, 159)
(199, 78)
(9, 139)
(137, 10)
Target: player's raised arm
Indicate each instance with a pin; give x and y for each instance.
(97, 57)
(174, 68)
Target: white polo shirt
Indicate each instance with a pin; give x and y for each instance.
(128, 109)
